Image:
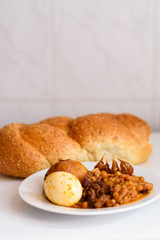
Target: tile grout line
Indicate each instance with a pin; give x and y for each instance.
(154, 64)
(62, 100)
(52, 51)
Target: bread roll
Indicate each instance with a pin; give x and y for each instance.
(124, 136)
(25, 149)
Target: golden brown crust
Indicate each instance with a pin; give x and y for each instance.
(124, 135)
(17, 157)
(135, 125)
(50, 142)
(25, 149)
(61, 122)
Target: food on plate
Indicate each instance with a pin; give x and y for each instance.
(110, 185)
(106, 186)
(26, 149)
(74, 167)
(63, 188)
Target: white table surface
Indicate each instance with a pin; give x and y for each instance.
(18, 220)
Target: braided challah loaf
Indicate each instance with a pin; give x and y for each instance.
(25, 149)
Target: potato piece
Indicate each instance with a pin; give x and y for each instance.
(74, 167)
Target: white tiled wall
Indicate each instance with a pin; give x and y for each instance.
(73, 57)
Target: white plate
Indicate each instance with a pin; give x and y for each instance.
(31, 191)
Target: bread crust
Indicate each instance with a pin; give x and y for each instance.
(17, 157)
(125, 136)
(50, 142)
(25, 149)
(60, 122)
